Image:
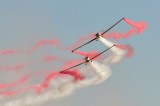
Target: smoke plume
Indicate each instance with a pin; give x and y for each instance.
(25, 90)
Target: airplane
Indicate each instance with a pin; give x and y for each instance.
(87, 59)
(98, 35)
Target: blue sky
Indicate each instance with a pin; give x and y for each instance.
(135, 82)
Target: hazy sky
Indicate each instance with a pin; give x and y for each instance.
(135, 82)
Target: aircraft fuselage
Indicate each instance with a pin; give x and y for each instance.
(87, 59)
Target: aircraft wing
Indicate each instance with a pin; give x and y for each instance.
(101, 34)
(84, 44)
(73, 66)
(112, 26)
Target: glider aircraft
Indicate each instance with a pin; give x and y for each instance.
(98, 34)
(87, 59)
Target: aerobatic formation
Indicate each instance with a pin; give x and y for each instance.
(60, 82)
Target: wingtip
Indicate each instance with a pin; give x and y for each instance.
(122, 18)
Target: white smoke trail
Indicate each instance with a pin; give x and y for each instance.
(65, 85)
(101, 73)
(59, 88)
(118, 54)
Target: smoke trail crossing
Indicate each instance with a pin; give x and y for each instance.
(56, 84)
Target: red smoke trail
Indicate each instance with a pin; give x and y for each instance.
(75, 73)
(10, 93)
(117, 36)
(50, 58)
(44, 85)
(13, 68)
(13, 84)
(38, 88)
(87, 54)
(6, 52)
(54, 42)
(140, 26)
(16, 92)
